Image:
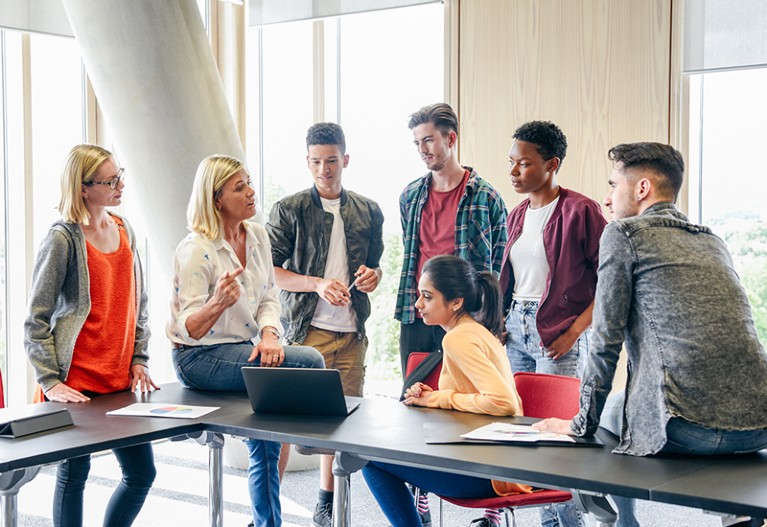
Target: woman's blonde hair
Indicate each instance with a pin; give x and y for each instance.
(80, 167)
(214, 171)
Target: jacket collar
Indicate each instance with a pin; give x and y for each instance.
(316, 201)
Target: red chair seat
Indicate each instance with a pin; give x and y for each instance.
(542, 497)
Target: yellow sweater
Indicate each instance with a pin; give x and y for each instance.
(476, 377)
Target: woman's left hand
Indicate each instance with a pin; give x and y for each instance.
(418, 394)
(140, 379)
(563, 344)
(271, 351)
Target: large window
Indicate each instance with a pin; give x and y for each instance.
(727, 177)
(56, 76)
(368, 72)
(279, 79)
(42, 118)
(380, 86)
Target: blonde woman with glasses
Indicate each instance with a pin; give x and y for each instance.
(86, 333)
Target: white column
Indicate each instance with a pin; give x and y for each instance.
(155, 77)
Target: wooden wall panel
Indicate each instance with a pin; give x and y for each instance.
(597, 68)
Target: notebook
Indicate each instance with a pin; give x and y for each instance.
(297, 391)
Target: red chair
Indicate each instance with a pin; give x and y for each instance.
(2, 391)
(542, 395)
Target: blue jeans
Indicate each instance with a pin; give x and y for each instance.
(525, 349)
(219, 368)
(527, 353)
(682, 437)
(387, 483)
(138, 473)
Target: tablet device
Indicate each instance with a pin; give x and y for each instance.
(297, 391)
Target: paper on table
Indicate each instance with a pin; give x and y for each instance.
(177, 411)
(516, 433)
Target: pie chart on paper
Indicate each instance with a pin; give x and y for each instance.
(176, 410)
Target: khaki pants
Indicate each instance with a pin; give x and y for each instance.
(343, 352)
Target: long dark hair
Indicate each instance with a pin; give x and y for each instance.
(455, 278)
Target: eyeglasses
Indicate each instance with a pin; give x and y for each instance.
(112, 182)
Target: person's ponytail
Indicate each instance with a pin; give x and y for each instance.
(490, 311)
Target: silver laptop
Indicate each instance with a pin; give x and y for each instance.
(297, 391)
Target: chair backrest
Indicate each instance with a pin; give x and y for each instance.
(414, 359)
(546, 395)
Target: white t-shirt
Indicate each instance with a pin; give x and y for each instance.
(335, 318)
(528, 256)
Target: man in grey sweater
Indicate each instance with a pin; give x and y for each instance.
(668, 291)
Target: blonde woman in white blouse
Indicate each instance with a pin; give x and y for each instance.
(225, 310)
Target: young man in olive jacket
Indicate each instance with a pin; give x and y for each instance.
(326, 247)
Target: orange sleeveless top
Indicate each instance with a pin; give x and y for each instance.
(104, 348)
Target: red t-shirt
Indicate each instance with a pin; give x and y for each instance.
(104, 348)
(437, 231)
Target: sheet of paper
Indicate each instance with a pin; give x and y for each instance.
(517, 433)
(177, 411)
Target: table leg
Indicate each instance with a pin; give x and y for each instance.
(597, 505)
(10, 483)
(343, 466)
(215, 443)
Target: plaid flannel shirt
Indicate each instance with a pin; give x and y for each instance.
(480, 233)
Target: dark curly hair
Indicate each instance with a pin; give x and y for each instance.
(547, 137)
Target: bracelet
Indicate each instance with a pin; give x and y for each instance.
(271, 330)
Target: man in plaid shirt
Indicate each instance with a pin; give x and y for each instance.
(450, 210)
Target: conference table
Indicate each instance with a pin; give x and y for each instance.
(383, 429)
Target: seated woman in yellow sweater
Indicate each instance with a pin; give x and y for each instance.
(476, 377)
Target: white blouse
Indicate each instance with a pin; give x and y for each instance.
(197, 266)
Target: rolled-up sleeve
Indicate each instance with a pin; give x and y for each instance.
(192, 281)
(611, 312)
(268, 308)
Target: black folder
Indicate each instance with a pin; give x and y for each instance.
(31, 419)
(438, 430)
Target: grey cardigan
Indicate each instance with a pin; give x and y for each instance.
(59, 303)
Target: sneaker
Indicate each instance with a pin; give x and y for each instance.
(425, 518)
(483, 522)
(323, 515)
